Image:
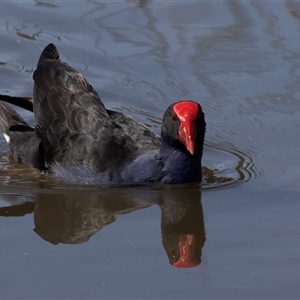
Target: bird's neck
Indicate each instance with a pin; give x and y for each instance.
(179, 165)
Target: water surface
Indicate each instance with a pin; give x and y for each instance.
(240, 61)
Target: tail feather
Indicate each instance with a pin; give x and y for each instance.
(8, 118)
(23, 102)
(23, 142)
(50, 52)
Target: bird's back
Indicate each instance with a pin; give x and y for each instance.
(74, 126)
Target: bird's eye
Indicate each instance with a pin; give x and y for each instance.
(175, 119)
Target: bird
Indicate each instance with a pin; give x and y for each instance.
(76, 138)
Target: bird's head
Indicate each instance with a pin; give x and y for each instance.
(184, 126)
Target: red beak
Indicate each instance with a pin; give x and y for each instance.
(187, 112)
(187, 135)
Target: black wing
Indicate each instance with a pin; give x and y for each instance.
(72, 122)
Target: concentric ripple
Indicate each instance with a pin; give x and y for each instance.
(226, 166)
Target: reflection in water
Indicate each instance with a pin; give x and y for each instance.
(18, 210)
(182, 227)
(73, 219)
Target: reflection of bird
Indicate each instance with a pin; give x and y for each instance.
(70, 219)
(74, 218)
(78, 139)
(182, 227)
(16, 210)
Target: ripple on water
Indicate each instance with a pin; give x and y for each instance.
(226, 166)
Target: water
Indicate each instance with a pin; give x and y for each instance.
(240, 61)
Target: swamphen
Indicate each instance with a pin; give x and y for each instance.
(78, 139)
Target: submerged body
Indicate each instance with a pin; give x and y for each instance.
(76, 138)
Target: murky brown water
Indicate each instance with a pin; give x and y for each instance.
(240, 60)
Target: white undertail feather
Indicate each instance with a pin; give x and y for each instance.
(7, 138)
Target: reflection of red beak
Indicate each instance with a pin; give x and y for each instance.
(186, 259)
